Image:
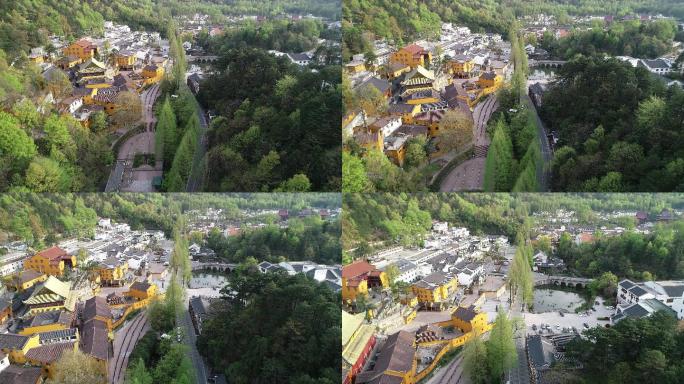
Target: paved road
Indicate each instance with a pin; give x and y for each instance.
(469, 175)
(543, 174)
(190, 340)
(124, 343)
(520, 373)
(123, 177)
(197, 171)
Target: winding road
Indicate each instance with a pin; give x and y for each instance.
(469, 175)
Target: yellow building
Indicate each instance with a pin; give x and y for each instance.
(16, 346)
(434, 288)
(358, 277)
(405, 111)
(49, 321)
(412, 55)
(70, 61)
(355, 66)
(490, 80)
(45, 356)
(431, 120)
(105, 97)
(418, 80)
(461, 67)
(126, 60)
(50, 295)
(396, 149)
(83, 49)
(152, 73)
(112, 271)
(469, 319)
(142, 290)
(25, 280)
(422, 97)
(370, 140)
(395, 70)
(51, 261)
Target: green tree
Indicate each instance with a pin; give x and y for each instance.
(474, 356)
(138, 374)
(501, 352)
(297, 183)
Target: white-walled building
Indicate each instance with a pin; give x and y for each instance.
(642, 299)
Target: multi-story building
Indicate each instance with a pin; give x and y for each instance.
(112, 271)
(50, 295)
(412, 55)
(435, 288)
(51, 261)
(469, 319)
(83, 49)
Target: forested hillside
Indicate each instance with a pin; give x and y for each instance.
(40, 218)
(406, 218)
(624, 132)
(404, 20)
(27, 23)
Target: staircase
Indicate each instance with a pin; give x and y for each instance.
(480, 151)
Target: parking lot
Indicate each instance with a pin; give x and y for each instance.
(568, 320)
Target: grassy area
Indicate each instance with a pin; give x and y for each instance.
(141, 159)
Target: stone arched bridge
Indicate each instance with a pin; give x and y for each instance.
(218, 267)
(563, 281)
(546, 63)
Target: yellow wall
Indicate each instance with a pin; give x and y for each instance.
(125, 61)
(478, 323)
(18, 356)
(151, 292)
(397, 155)
(43, 265)
(405, 57)
(355, 68)
(462, 67)
(493, 83)
(43, 328)
(112, 274)
(76, 50)
(436, 294)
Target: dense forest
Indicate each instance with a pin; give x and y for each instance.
(27, 23)
(407, 218)
(40, 219)
(630, 38)
(304, 239)
(278, 125)
(635, 351)
(405, 20)
(274, 328)
(624, 132)
(659, 254)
